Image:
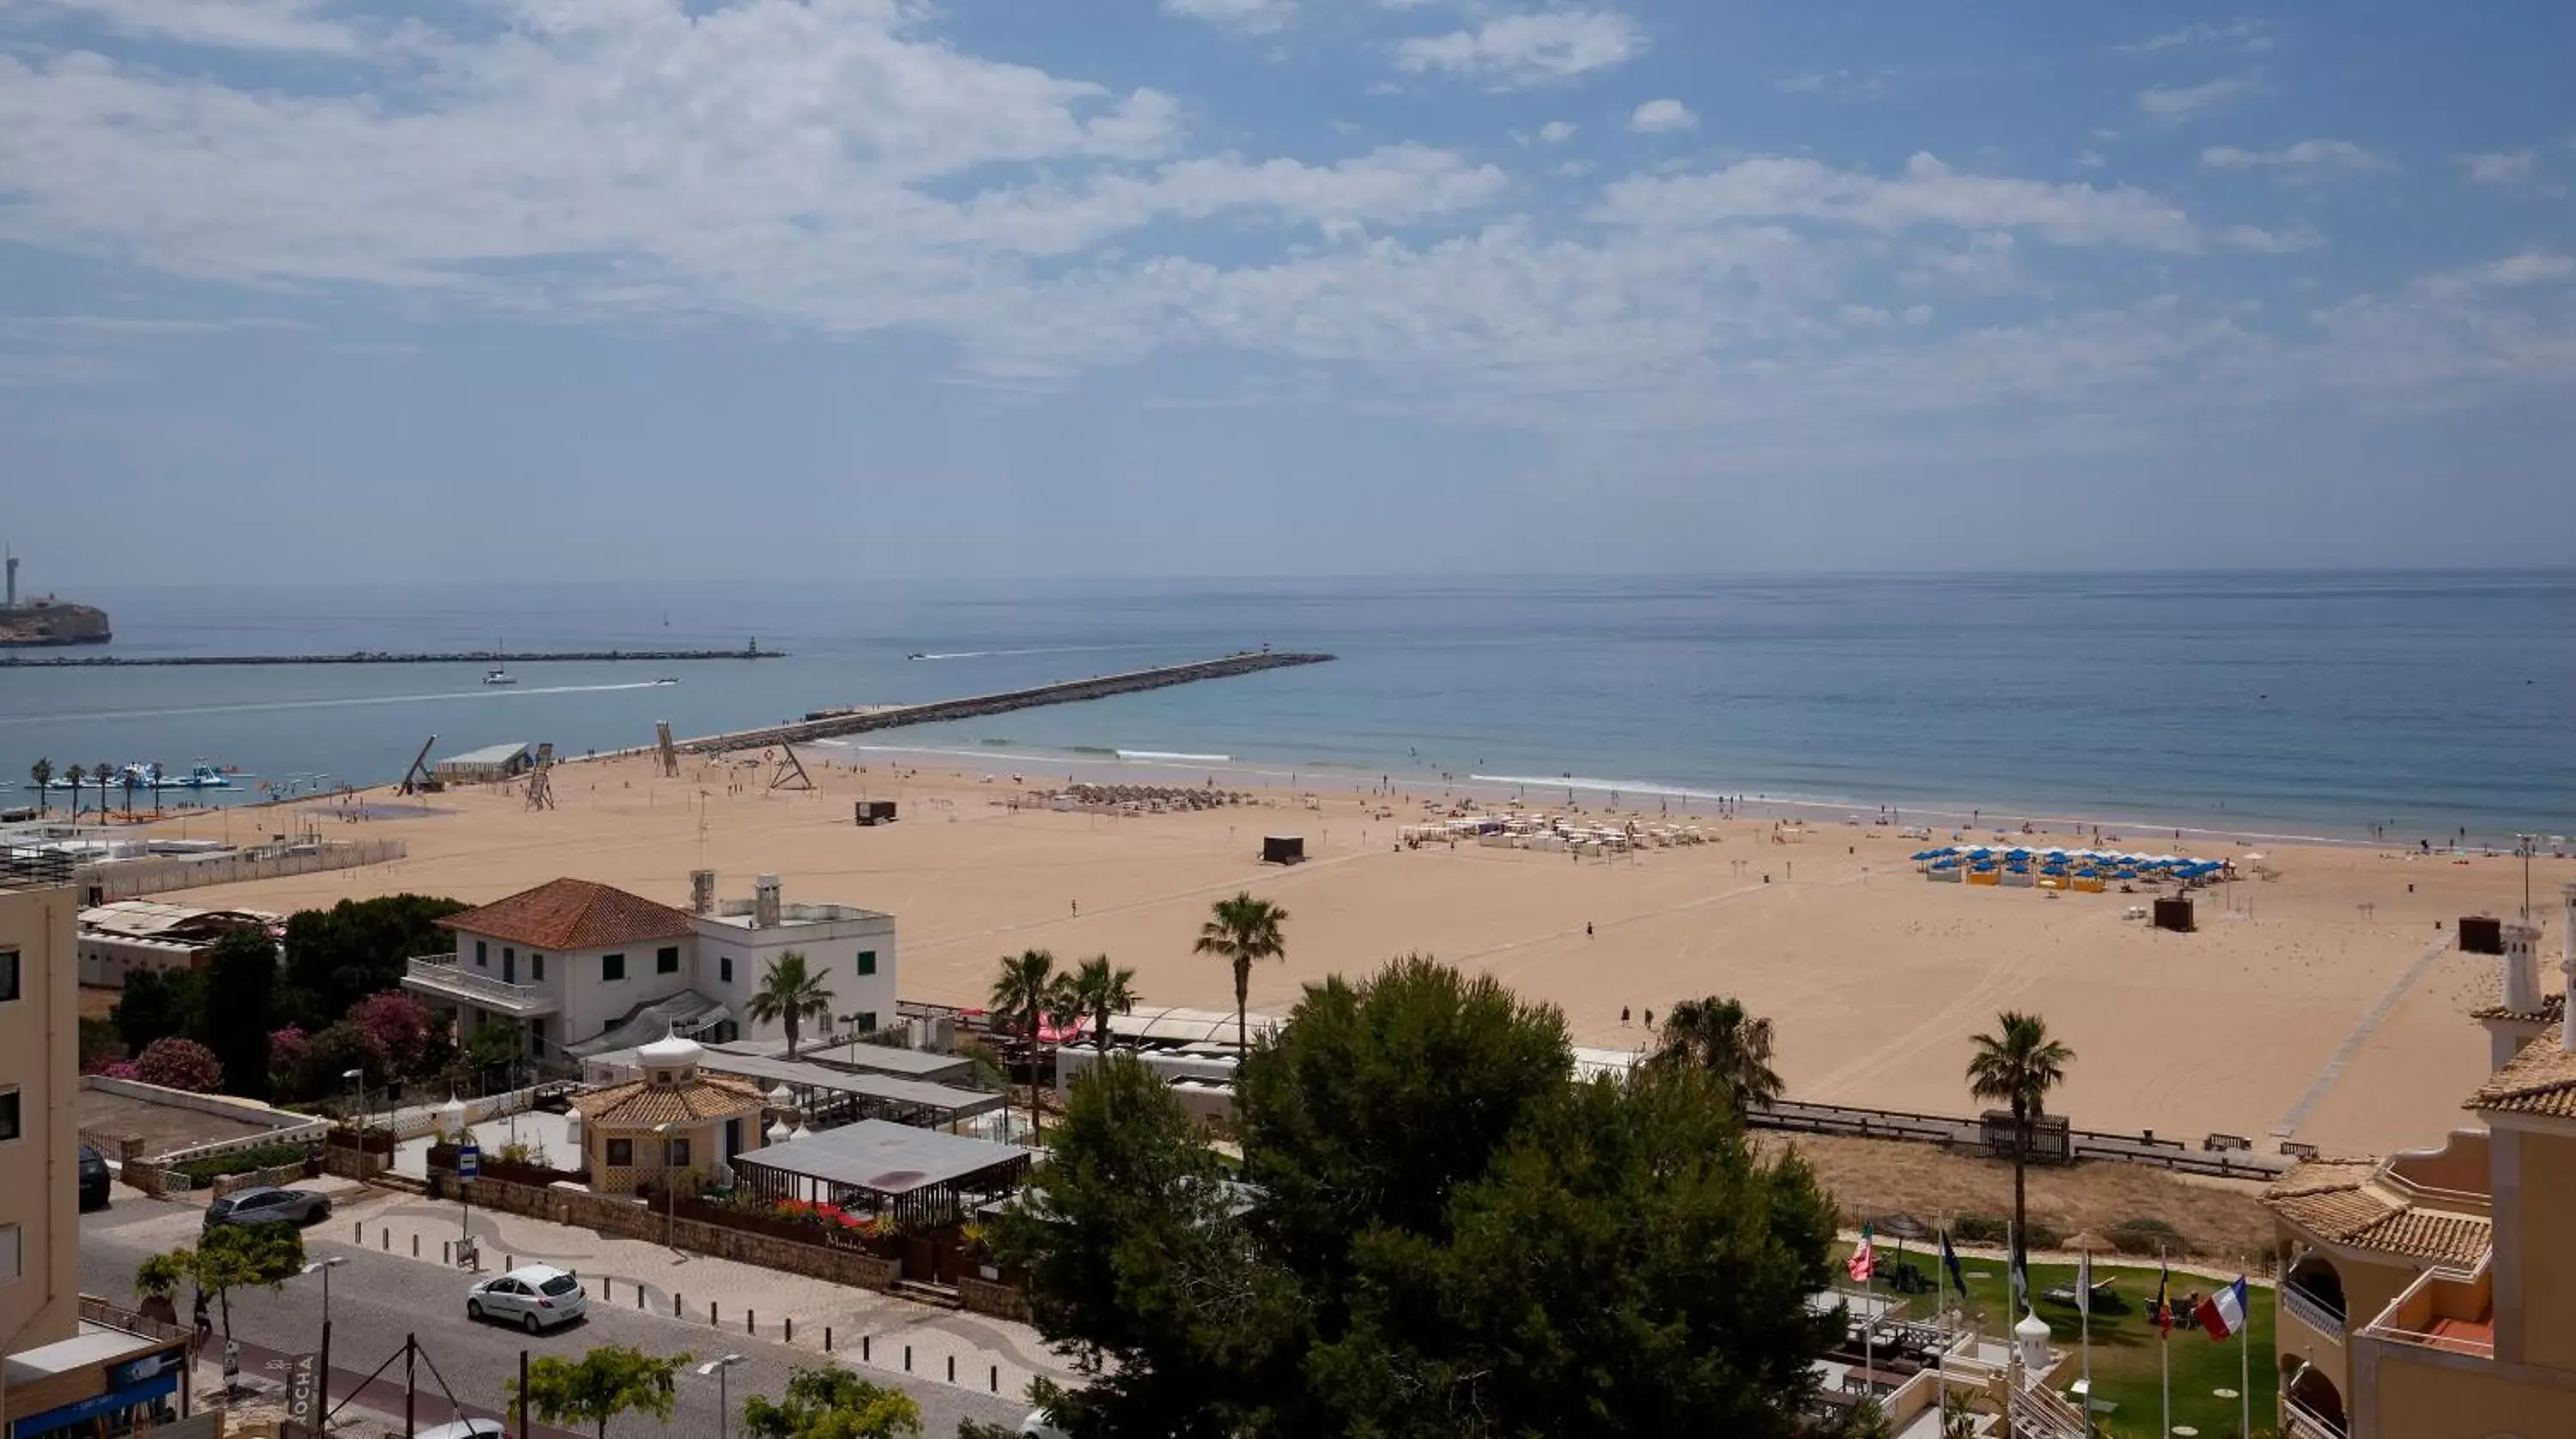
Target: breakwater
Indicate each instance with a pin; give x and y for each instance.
(378, 657)
(833, 726)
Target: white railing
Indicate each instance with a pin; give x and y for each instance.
(441, 971)
(2303, 1422)
(2312, 1311)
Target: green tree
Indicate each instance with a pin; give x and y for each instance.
(2017, 1066)
(228, 1257)
(1243, 930)
(831, 1403)
(330, 1055)
(132, 782)
(157, 1004)
(105, 775)
(1142, 1266)
(76, 774)
(1718, 1035)
(789, 994)
(1439, 1234)
(610, 1380)
(1025, 991)
(42, 772)
(240, 1008)
(1098, 990)
(338, 956)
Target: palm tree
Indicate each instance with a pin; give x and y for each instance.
(42, 772)
(105, 774)
(2018, 1066)
(790, 994)
(76, 774)
(1025, 991)
(131, 782)
(1099, 990)
(1244, 929)
(1719, 1036)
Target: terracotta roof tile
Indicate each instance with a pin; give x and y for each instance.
(573, 914)
(2341, 1202)
(2553, 1008)
(2539, 1080)
(636, 1104)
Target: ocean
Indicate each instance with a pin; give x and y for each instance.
(2306, 704)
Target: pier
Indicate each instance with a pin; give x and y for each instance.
(379, 657)
(833, 726)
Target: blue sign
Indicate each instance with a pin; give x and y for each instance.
(150, 1366)
(469, 1161)
(115, 1401)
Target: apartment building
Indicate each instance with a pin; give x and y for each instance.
(580, 968)
(2432, 1294)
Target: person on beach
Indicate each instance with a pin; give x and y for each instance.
(1623, 1014)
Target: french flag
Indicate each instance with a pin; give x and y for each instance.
(2223, 1313)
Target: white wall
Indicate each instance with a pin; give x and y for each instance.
(831, 947)
(588, 1004)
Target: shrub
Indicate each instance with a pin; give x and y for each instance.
(266, 1156)
(2147, 1236)
(175, 1063)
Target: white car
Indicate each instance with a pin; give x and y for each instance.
(468, 1429)
(533, 1296)
(1039, 1426)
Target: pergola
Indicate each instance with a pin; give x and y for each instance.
(920, 1176)
(841, 1096)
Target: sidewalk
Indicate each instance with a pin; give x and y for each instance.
(372, 1404)
(861, 1327)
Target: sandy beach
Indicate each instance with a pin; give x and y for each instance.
(1874, 978)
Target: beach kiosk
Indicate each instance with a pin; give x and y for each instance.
(1283, 849)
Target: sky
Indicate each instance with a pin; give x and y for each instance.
(465, 290)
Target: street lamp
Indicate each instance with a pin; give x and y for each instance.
(356, 1079)
(724, 1398)
(2526, 843)
(322, 1365)
(670, 1190)
(852, 1020)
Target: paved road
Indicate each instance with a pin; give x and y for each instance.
(377, 1299)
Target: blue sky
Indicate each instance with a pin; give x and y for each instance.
(605, 288)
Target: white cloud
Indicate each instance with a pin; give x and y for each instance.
(1528, 48)
(2308, 161)
(1842, 84)
(2250, 36)
(1556, 132)
(1927, 193)
(1662, 117)
(2271, 242)
(1251, 17)
(275, 25)
(2509, 167)
(2181, 104)
(2090, 159)
(2532, 267)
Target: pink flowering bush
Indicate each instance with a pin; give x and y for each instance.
(397, 1026)
(175, 1063)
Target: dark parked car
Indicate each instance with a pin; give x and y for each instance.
(264, 1206)
(94, 1179)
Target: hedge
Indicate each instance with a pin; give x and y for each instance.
(266, 1156)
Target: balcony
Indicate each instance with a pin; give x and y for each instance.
(2326, 1319)
(440, 976)
(2443, 1313)
(2298, 1421)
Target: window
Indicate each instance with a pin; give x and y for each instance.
(8, 1116)
(666, 960)
(867, 962)
(679, 1154)
(482, 955)
(9, 1271)
(537, 968)
(8, 975)
(612, 968)
(724, 969)
(864, 1022)
(621, 1153)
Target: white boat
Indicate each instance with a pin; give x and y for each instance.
(668, 680)
(200, 776)
(500, 677)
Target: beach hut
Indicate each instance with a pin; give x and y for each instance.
(1283, 849)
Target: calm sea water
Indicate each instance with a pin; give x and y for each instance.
(2254, 703)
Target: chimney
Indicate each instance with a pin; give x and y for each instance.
(764, 902)
(2522, 967)
(702, 891)
(2567, 964)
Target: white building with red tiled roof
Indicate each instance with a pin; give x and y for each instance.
(579, 967)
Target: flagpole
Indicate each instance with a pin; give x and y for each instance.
(2084, 1313)
(2245, 1355)
(2164, 1341)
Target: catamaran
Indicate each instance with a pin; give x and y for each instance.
(500, 677)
